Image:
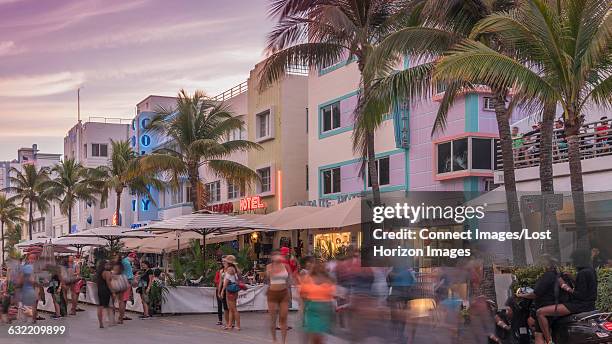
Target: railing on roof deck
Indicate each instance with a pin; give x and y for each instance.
(232, 92)
(110, 120)
(595, 141)
(298, 70)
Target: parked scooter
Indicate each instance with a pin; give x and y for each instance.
(584, 328)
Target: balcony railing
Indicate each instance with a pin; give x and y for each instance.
(109, 120)
(232, 92)
(595, 140)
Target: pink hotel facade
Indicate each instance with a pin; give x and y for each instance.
(460, 158)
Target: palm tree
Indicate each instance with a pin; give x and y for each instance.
(124, 171)
(198, 129)
(320, 33)
(434, 28)
(562, 55)
(71, 182)
(29, 187)
(10, 214)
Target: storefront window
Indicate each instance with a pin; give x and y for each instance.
(332, 244)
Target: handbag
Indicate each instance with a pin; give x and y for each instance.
(119, 283)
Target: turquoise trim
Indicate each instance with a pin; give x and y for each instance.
(407, 169)
(470, 184)
(471, 112)
(470, 191)
(324, 134)
(354, 161)
(338, 65)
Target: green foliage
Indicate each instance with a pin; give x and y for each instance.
(190, 265)
(157, 296)
(527, 276)
(604, 291)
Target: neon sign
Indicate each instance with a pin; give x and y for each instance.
(252, 203)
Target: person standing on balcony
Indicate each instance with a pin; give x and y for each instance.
(602, 134)
(560, 139)
(517, 144)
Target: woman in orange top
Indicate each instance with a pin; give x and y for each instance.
(318, 291)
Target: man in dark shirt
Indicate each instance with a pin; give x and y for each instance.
(543, 294)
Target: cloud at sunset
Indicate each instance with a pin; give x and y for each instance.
(118, 52)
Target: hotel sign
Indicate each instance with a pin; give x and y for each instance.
(252, 203)
(224, 208)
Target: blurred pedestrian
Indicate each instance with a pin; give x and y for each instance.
(145, 277)
(231, 288)
(318, 292)
(128, 272)
(279, 283)
(28, 286)
(221, 301)
(103, 280)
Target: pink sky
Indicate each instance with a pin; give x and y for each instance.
(118, 52)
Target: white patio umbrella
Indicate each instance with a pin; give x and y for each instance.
(280, 218)
(341, 215)
(34, 242)
(208, 225)
(80, 243)
(112, 234)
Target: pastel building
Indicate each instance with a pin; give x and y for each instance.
(90, 144)
(42, 222)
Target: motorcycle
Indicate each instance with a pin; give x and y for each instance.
(593, 327)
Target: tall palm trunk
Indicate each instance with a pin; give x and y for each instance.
(505, 138)
(575, 167)
(194, 180)
(371, 152)
(69, 220)
(548, 215)
(31, 218)
(2, 238)
(118, 206)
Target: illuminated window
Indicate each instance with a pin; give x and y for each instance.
(332, 244)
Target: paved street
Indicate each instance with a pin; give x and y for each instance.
(186, 329)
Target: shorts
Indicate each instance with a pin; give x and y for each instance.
(125, 296)
(229, 296)
(278, 296)
(145, 297)
(104, 299)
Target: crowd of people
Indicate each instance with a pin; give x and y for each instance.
(596, 138)
(24, 283)
(339, 295)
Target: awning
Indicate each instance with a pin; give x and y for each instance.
(341, 215)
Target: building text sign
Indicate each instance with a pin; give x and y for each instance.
(252, 203)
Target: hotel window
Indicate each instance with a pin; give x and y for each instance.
(214, 191)
(331, 116)
(382, 166)
(331, 181)
(103, 222)
(263, 125)
(236, 134)
(265, 184)
(488, 103)
(234, 191)
(187, 193)
(466, 154)
(99, 150)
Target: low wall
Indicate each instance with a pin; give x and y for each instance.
(185, 299)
